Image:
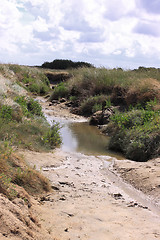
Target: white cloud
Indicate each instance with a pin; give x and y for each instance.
(40, 25)
(34, 31)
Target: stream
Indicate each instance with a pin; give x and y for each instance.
(83, 138)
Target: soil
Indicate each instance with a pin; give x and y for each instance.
(93, 197)
(90, 202)
(144, 176)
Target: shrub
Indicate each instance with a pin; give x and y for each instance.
(33, 134)
(21, 100)
(60, 91)
(34, 107)
(137, 133)
(28, 80)
(35, 85)
(34, 88)
(92, 104)
(6, 113)
(29, 106)
(52, 136)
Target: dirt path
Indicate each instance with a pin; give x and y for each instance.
(89, 202)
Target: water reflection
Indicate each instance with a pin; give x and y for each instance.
(83, 138)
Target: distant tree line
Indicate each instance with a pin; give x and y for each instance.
(65, 64)
(147, 69)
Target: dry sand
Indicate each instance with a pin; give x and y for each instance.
(90, 203)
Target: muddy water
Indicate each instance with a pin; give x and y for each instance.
(83, 138)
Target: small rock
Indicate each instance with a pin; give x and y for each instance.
(63, 198)
(62, 100)
(117, 196)
(55, 188)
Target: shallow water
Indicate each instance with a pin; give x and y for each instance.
(83, 138)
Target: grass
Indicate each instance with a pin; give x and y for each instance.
(32, 79)
(135, 127)
(13, 170)
(121, 87)
(136, 132)
(29, 106)
(33, 134)
(22, 125)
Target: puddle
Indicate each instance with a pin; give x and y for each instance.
(83, 138)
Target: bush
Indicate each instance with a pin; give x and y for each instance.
(92, 104)
(6, 113)
(52, 136)
(28, 80)
(29, 106)
(60, 91)
(38, 84)
(34, 107)
(34, 88)
(137, 133)
(33, 134)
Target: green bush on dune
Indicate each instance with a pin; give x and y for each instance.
(137, 133)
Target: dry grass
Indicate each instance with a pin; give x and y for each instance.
(14, 170)
(122, 87)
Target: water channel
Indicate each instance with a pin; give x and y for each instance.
(83, 138)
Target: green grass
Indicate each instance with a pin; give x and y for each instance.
(23, 126)
(29, 106)
(135, 127)
(121, 87)
(136, 132)
(60, 91)
(32, 79)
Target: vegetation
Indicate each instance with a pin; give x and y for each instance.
(65, 64)
(60, 91)
(13, 170)
(136, 132)
(22, 125)
(29, 106)
(135, 97)
(32, 79)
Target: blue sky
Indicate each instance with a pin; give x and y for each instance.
(117, 33)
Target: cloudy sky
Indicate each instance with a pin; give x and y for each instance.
(109, 33)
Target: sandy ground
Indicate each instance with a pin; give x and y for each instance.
(89, 199)
(144, 176)
(89, 202)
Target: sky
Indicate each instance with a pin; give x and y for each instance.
(105, 33)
